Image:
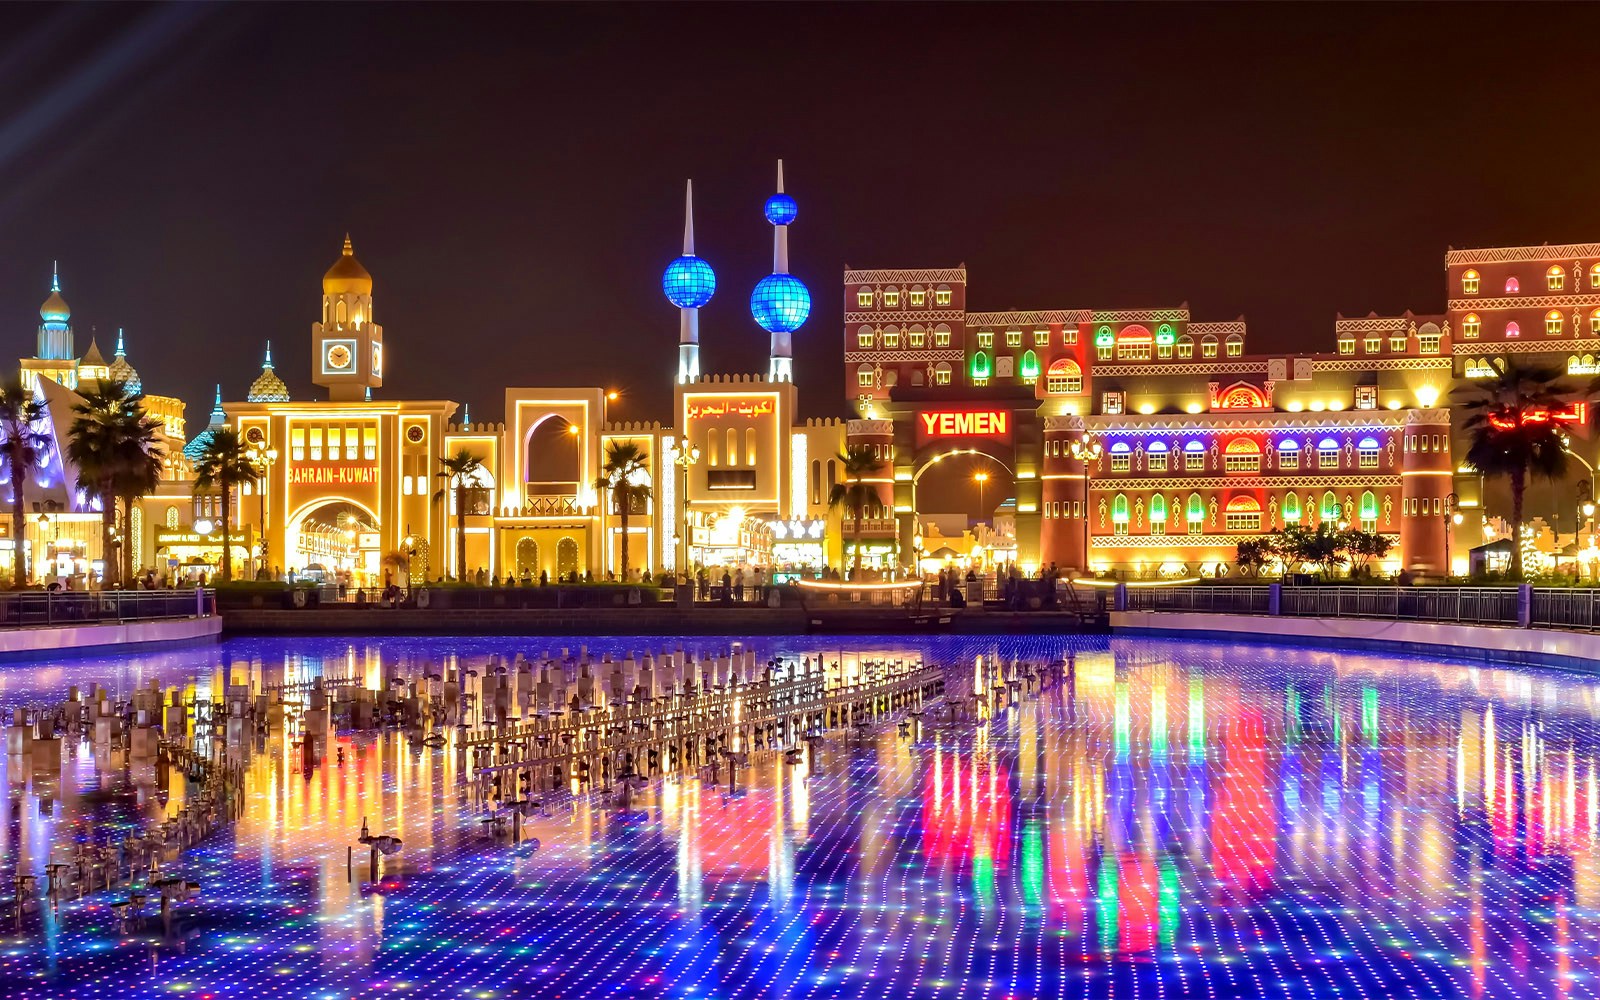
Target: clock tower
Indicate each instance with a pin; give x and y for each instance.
(347, 346)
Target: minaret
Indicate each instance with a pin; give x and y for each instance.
(780, 302)
(55, 335)
(688, 283)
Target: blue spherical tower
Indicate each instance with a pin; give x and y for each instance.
(688, 283)
(780, 302)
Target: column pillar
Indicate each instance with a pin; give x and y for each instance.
(1063, 496)
(1426, 477)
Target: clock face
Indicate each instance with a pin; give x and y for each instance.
(338, 357)
(377, 359)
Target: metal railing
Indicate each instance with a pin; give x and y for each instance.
(29, 608)
(1216, 600)
(1483, 605)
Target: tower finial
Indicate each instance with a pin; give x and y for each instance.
(55, 276)
(688, 216)
(121, 351)
(780, 176)
(268, 362)
(349, 251)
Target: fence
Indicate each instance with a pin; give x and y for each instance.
(1479, 605)
(79, 607)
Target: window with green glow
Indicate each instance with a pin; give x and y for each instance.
(1291, 509)
(1164, 335)
(1030, 367)
(1119, 514)
(1158, 510)
(980, 366)
(1330, 506)
(1369, 511)
(1196, 514)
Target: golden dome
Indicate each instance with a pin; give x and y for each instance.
(347, 276)
(55, 308)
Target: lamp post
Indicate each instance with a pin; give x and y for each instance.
(1451, 518)
(263, 458)
(686, 455)
(1086, 450)
(980, 478)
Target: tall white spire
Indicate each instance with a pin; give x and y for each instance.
(688, 284)
(780, 236)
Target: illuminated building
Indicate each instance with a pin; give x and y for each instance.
(353, 478)
(1189, 444)
(64, 537)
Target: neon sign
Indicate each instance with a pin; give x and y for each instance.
(1574, 413)
(964, 423)
(334, 475)
(726, 407)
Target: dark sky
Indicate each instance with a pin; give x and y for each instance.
(512, 175)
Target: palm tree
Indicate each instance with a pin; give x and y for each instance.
(138, 474)
(853, 493)
(22, 446)
(1511, 433)
(113, 444)
(626, 474)
(460, 473)
(224, 464)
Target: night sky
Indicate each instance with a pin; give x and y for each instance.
(512, 176)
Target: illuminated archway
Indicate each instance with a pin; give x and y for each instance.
(337, 533)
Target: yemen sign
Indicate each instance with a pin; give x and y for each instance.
(963, 423)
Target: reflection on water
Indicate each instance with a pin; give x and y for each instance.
(1206, 820)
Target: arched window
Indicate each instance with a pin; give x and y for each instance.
(1288, 455)
(1291, 509)
(1552, 322)
(1327, 454)
(864, 377)
(1186, 346)
(1330, 506)
(1208, 346)
(941, 373)
(1104, 343)
(864, 297)
(733, 446)
(1242, 455)
(864, 337)
(1235, 345)
(891, 336)
(1594, 276)
(1512, 286)
(1470, 325)
(1243, 514)
(1156, 456)
(172, 517)
(1194, 456)
(527, 557)
(1367, 453)
(1030, 367)
(1555, 278)
(1133, 344)
(1119, 508)
(1195, 514)
(750, 446)
(1165, 338)
(1594, 321)
(917, 335)
(1242, 397)
(338, 312)
(1121, 457)
(980, 367)
(1064, 377)
(1469, 282)
(916, 376)
(941, 334)
(816, 481)
(1369, 511)
(1158, 510)
(1513, 330)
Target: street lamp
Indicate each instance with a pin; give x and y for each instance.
(263, 458)
(980, 478)
(1452, 517)
(1086, 450)
(686, 455)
